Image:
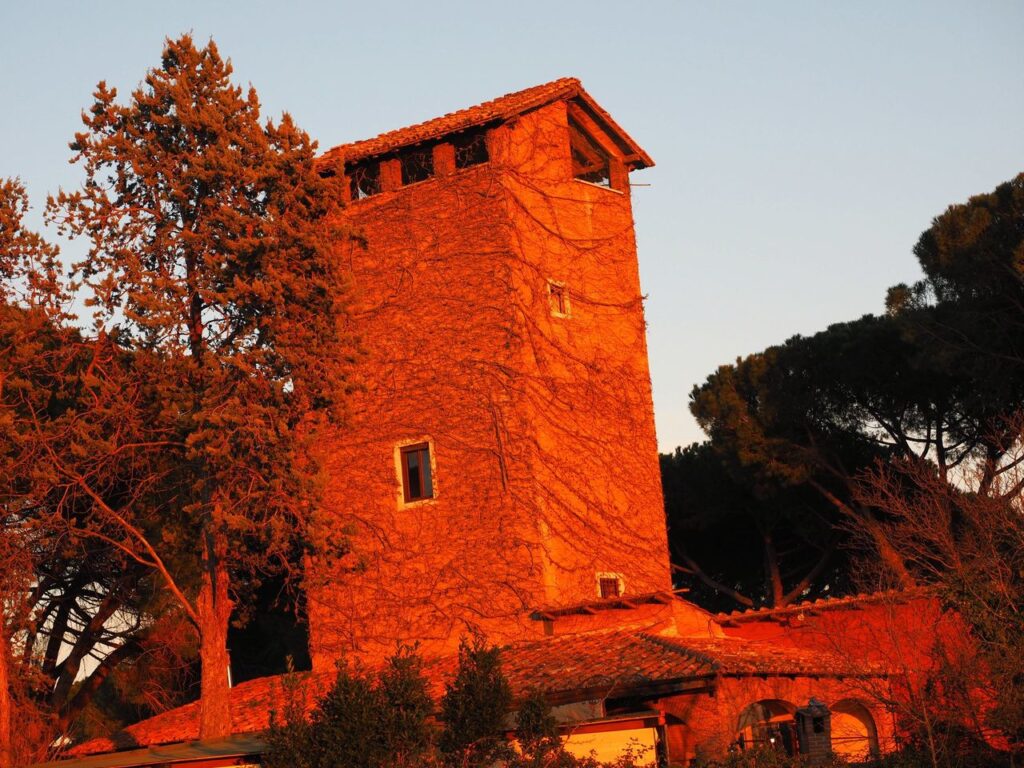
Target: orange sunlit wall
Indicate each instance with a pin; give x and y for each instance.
(500, 310)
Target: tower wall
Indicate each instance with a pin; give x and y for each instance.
(541, 427)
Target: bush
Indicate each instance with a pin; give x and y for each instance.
(474, 707)
(366, 720)
(383, 720)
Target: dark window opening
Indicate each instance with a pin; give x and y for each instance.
(610, 587)
(364, 180)
(416, 480)
(470, 149)
(417, 165)
(589, 161)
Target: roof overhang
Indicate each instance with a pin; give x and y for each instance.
(220, 752)
(496, 112)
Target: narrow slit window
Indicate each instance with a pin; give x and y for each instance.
(364, 180)
(417, 165)
(589, 161)
(417, 483)
(470, 149)
(558, 299)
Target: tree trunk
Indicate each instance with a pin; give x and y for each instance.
(888, 554)
(771, 570)
(214, 610)
(6, 748)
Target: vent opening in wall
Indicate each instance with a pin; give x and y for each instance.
(558, 299)
(609, 586)
(417, 165)
(364, 180)
(470, 149)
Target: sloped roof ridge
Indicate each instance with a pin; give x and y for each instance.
(682, 650)
(571, 636)
(825, 603)
(498, 108)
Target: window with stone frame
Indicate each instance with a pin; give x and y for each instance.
(609, 586)
(417, 475)
(558, 299)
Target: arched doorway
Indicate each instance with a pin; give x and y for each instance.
(768, 723)
(854, 735)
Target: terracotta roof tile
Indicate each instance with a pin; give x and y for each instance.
(735, 657)
(606, 660)
(496, 110)
(822, 604)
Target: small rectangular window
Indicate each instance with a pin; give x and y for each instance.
(417, 165)
(558, 299)
(470, 149)
(364, 180)
(609, 587)
(417, 483)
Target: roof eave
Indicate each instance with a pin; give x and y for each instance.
(238, 745)
(636, 158)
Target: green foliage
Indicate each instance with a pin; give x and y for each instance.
(62, 397)
(366, 720)
(537, 736)
(211, 253)
(770, 758)
(407, 735)
(540, 746)
(386, 718)
(780, 542)
(210, 265)
(474, 707)
(290, 738)
(909, 427)
(939, 380)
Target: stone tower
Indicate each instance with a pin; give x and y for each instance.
(501, 457)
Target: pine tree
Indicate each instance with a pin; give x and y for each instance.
(210, 261)
(28, 337)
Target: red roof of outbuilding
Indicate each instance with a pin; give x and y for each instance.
(812, 607)
(567, 668)
(496, 110)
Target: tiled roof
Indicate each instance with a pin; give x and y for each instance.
(735, 657)
(567, 668)
(822, 604)
(603, 662)
(497, 110)
(251, 703)
(624, 602)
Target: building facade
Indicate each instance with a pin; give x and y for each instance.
(501, 455)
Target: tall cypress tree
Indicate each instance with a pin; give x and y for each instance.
(210, 260)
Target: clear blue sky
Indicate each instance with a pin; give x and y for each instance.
(801, 147)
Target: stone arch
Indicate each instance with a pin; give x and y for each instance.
(854, 735)
(768, 723)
